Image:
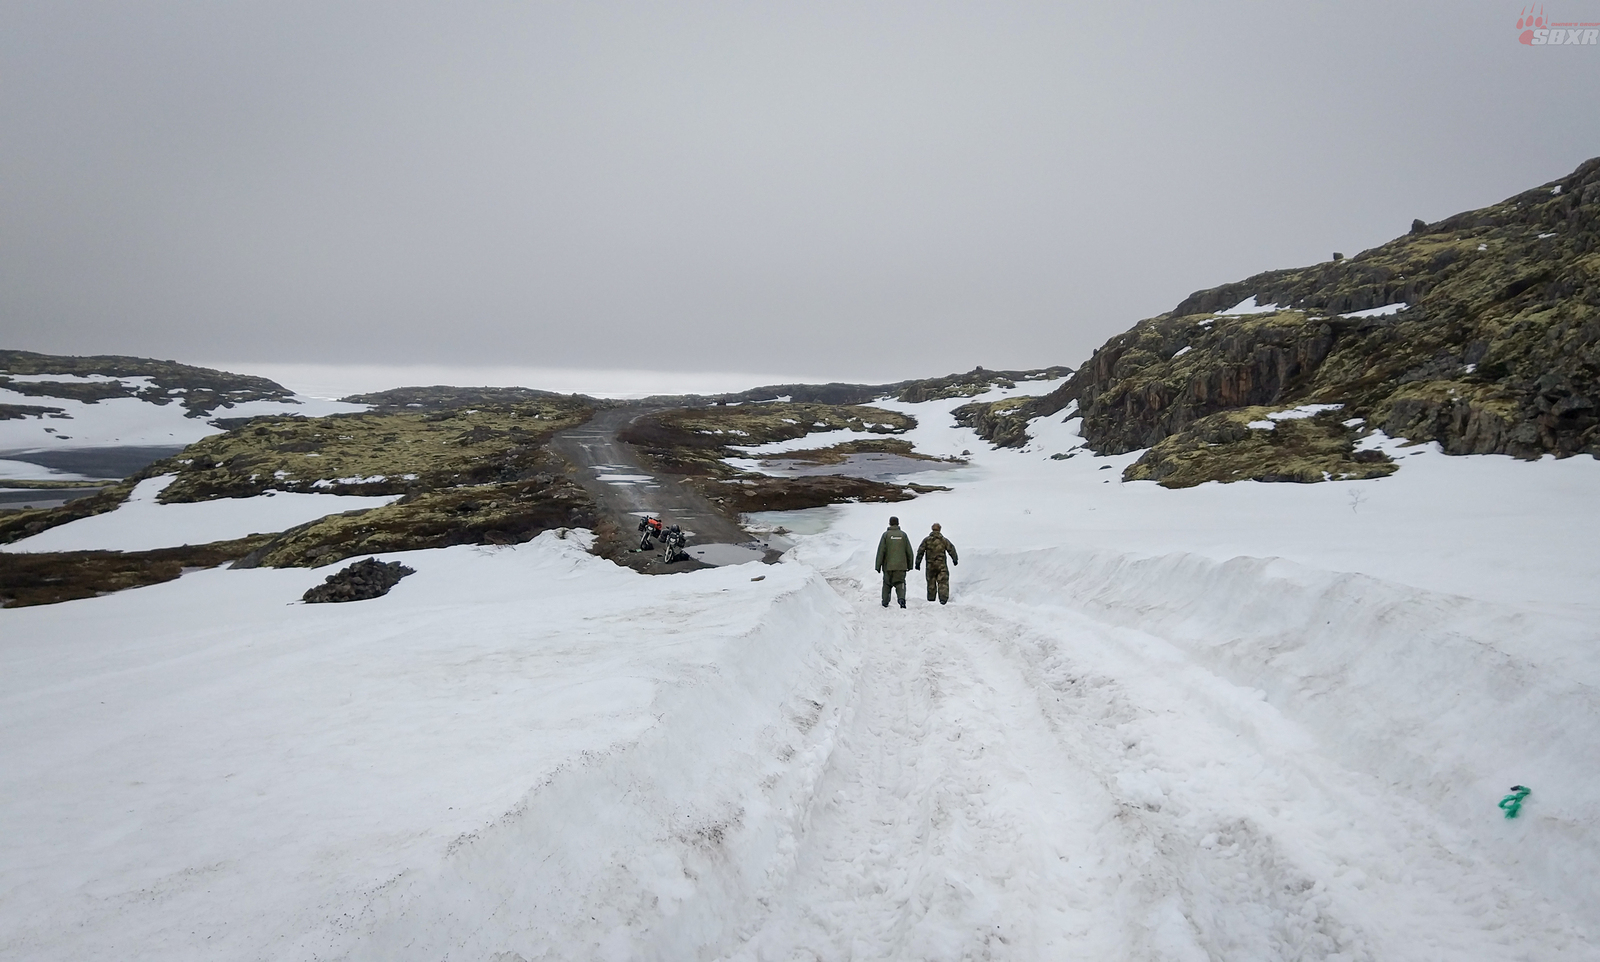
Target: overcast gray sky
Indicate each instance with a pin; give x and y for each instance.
(860, 190)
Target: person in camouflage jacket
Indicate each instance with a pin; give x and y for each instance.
(934, 548)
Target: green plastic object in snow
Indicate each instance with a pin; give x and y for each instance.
(1513, 803)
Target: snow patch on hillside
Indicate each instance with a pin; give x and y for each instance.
(131, 421)
(143, 523)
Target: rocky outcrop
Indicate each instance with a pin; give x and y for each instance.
(970, 384)
(1492, 344)
(201, 390)
(1243, 444)
(503, 514)
(361, 581)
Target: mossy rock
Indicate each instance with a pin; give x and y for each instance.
(201, 391)
(1497, 351)
(372, 453)
(1237, 445)
(1004, 423)
(505, 513)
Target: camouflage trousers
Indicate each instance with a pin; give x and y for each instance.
(938, 582)
(895, 580)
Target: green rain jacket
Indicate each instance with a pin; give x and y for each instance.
(894, 551)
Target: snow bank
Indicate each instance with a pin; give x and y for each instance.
(1448, 699)
(662, 846)
(515, 748)
(143, 524)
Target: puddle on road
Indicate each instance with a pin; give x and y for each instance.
(725, 554)
(623, 474)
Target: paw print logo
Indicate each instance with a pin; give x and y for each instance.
(1528, 23)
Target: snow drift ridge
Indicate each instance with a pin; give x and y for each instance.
(658, 848)
(1448, 699)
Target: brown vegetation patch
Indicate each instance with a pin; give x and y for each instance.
(371, 453)
(49, 578)
(505, 513)
(25, 524)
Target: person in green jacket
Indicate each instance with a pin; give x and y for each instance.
(934, 547)
(894, 560)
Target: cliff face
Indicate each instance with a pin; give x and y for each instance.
(1491, 343)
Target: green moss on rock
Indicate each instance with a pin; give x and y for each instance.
(505, 513)
(1496, 351)
(1237, 445)
(372, 453)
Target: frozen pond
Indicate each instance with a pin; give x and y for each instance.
(803, 521)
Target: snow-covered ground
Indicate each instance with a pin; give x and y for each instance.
(1247, 721)
(142, 523)
(128, 421)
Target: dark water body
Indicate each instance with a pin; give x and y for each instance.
(873, 466)
(107, 462)
(42, 498)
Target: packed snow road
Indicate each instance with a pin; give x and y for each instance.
(1024, 782)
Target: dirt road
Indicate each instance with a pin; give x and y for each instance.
(626, 488)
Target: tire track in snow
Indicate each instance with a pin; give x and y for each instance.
(1018, 784)
(949, 824)
(1251, 837)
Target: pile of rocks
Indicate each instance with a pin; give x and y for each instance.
(358, 582)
